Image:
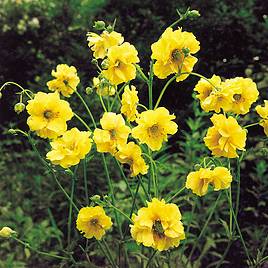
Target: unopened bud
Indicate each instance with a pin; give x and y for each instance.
(6, 232)
(12, 131)
(95, 198)
(197, 167)
(94, 61)
(186, 51)
(192, 14)
(99, 25)
(110, 28)
(105, 64)
(19, 107)
(89, 90)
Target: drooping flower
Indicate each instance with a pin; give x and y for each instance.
(129, 103)
(103, 88)
(244, 94)
(172, 53)
(93, 222)
(263, 113)
(66, 80)
(225, 137)
(158, 226)
(100, 44)
(6, 232)
(212, 96)
(222, 178)
(130, 154)
(69, 149)
(121, 61)
(198, 181)
(48, 115)
(154, 126)
(114, 132)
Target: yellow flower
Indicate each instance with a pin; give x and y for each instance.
(103, 87)
(158, 226)
(198, 181)
(114, 132)
(244, 94)
(263, 113)
(212, 97)
(225, 137)
(131, 154)
(48, 115)
(121, 61)
(172, 53)
(92, 221)
(222, 178)
(6, 232)
(100, 44)
(69, 149)
(129, 103)
(154, 126)
(66, 80)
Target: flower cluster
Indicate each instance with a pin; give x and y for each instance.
(234, 95)
(198, 181)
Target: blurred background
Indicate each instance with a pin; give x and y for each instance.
(36, 35)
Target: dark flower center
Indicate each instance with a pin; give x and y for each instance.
(153, 130)
(94, 221)
(237, 97)
(48, 114)
(158, 228)
(175, 55)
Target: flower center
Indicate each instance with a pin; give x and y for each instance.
(117, 64)
(94, 221)
(158, 228)
(48, 114)
(175, 55)
(153, 130)
(207, 93)
(113, 134)
(237, 97)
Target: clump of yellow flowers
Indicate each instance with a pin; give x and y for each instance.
(131, 133)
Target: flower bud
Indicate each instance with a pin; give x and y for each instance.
(197, 167)
(95, 198)
(104, 64)
(192, 14)
(6, 232)
(19, 107)
(12, 131)
(110, 28)
(1, 95)
(186, 51)
(89, 90)
(99, 25)
(94, 61)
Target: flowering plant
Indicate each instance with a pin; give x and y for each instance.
(132, 134)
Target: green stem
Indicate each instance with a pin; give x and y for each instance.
(148, 196)
(176, 194)
(238, 229)
(251, 125)
(82, 121)
(164, 89)
(150, 259)
(120, 211)
(51, 171)
(87, 109)
(143, 106)
(143, 76)
(102, 104)
(70, 213)
(111, 190)
(204, 227)
(238, 187)
(134, 199)
(106, 253)
(150, 86)
(38, 251)
(118, 95)
(85, 181)
(224, 254)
